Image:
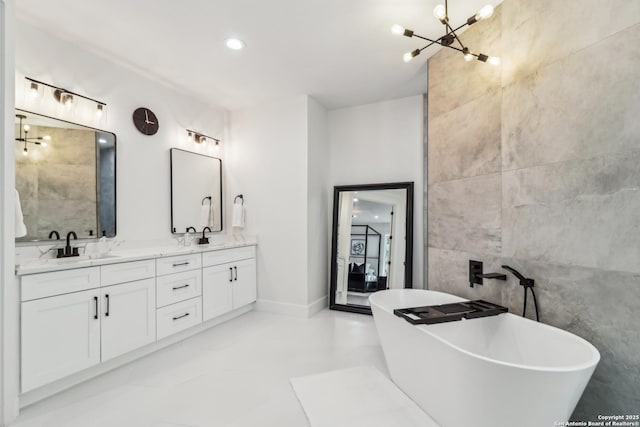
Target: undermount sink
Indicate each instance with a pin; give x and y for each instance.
(82, 258)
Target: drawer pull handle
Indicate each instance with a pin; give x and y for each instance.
(180, 287)
(95, 301)
(236, 271)
(180, 317)
(106, 313)
(179, 264)
(230, 274)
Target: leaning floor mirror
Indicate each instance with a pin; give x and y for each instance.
(372, 242)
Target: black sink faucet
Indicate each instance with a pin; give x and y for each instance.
(204, 240)
(191, 228)
(54, 233)
(68, 251)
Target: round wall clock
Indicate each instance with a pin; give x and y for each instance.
(145, 121)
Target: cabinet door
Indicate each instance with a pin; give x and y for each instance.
(128, 317)
(217, 282)
(244, 282)
(59, 336)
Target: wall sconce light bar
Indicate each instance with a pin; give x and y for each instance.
(199, 138)
(63, 96)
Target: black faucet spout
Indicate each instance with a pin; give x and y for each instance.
(204, 240)
(191, 228)
(69, 251)
(54, 233)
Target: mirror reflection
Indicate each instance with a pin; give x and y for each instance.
(65, 178)
(196, 192)
(372, 235)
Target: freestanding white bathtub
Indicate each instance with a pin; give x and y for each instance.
(502, 370)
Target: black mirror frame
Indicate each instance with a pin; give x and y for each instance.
(115, 182)
(408, 270)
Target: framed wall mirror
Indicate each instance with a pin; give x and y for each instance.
(65, 177)
(196, 191)
(372, 243)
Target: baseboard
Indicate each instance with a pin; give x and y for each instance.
(318, 305)
(289, 309)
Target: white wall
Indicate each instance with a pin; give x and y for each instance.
(143, 181)
(318, 194)
(8, 289)
(377, 143)
(266, 162)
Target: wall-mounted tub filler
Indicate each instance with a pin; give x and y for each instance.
(476, 275)
(488, 372)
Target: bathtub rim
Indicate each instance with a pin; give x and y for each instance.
(592, 363)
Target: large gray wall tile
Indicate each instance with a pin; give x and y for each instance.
(539, 32)
(583, 212)
(597, 305)
(465, 142)
(465, 214)
(584, 105)
(569, 178)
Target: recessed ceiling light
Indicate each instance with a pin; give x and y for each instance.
(235, 44)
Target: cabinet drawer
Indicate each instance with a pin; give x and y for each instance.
(177, 317)
(42, 285)
(127, 272)
(176, 264)
(228, 255)
(178, 287)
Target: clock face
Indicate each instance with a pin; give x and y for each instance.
(145, 121)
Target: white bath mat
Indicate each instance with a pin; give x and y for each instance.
(357, 397)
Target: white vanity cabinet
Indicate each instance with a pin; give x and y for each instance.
(228, 280)
(128, 318)
(64, 334)
(76, 318)
(60, 335)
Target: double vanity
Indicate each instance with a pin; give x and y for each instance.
(80, 315)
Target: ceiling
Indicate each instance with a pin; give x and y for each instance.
(341, 52)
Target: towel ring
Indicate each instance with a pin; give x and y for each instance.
(208, 197)
(239, 196)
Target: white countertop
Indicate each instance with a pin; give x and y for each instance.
(43, 265)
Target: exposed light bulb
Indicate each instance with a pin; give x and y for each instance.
(44, 143)
(47, 138)
(99, 110)
(217, 145)
(34, 90)
(26, 128)
(410, 55)
(25, 152)
(440, 12)
(494, 60)
(468, 56)
(485, 12)
(396, 29)
(235, 44)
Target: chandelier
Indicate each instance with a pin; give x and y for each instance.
(23, 136)
(450, 39)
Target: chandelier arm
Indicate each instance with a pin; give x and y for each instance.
(427, 39)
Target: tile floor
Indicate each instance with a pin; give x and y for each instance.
(233, 375)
